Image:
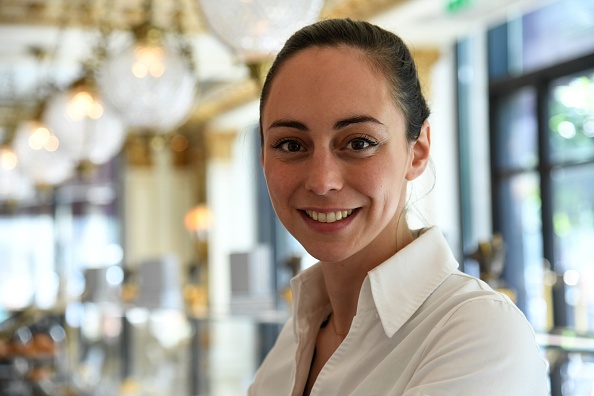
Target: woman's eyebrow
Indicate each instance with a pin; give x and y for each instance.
(340, 124)
(284, 123)
(355, 120)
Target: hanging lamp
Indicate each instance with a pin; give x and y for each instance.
(14, 185)
(41, 156)
(257, 29)
(88, 129)
(151, 82)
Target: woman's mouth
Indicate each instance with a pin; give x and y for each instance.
(329, 217)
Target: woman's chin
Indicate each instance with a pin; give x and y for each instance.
(329, 254)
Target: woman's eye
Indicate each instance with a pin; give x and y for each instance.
(291, 146)
(360, 144)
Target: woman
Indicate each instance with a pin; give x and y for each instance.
(344, 128)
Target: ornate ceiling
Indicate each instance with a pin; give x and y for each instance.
(28, 25)
(225, 82)
(123, 14)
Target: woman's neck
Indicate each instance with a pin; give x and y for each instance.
(344, 279)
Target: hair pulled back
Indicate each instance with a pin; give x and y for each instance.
(386, 52)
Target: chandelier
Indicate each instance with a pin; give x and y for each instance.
(14, 185)
(41, 156)
(87, 128)
(257, 29)
(151, 82)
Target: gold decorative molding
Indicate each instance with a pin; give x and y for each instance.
(221, 100)
(220, 144)
(124, 14)
(357, 9)
(117, 14)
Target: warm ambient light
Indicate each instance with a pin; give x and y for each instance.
(150, 83)
(82, 105)
(42, 157)
(8, 159)
(199, 218)
(88, 130)
(148, 61)
(13, 184)
(179, 143)
(42, 138)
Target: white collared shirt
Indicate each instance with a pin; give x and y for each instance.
(421, 328)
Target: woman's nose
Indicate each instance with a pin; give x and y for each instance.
(323, 173)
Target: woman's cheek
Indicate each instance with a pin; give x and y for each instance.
(276, 181)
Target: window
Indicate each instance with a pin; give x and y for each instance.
(542, 140)
(541, 115)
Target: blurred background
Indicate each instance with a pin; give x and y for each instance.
(139, 252)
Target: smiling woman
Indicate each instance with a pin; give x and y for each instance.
(344, 128)
(353, 156)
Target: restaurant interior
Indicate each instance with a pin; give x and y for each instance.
(139, 251)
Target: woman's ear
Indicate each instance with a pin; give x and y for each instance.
(420, 153)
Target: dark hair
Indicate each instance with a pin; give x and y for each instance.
(386, 52)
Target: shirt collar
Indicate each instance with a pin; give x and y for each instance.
(397, 287)
(403, 282)
(309, 297)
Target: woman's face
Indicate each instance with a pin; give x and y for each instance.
(335, 155)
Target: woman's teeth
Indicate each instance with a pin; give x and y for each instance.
(329, 217)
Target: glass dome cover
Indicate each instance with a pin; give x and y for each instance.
(257, 29)
(41, 157)
(149, 83)
(14, 185)
(85, 126)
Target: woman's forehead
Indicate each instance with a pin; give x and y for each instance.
(316, 53)
(322, 95)
(327, 77)
(319, 68)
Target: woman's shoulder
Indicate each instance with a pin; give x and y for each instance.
(464, 297)
(460, 284)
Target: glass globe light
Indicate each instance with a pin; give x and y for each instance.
(85, 126)
(14, 186)
(40, 155)
(257, 29)
(150, 83)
